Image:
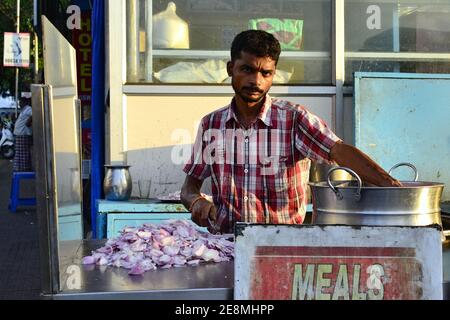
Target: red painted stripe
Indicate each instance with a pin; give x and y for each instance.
(335, 251)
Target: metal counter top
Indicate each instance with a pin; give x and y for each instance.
(212, 281)
(207, 281)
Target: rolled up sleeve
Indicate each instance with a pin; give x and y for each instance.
(314, 139)
(197, 167)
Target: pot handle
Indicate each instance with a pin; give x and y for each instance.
(336, 191)
(406, 164)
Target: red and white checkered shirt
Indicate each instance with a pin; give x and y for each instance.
(260, 175)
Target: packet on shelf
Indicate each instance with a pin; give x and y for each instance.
(289, 32)
(210, 71)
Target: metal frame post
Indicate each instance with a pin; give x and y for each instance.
(17, 68)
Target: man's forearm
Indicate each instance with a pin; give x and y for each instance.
(190, 191)
(369, 171)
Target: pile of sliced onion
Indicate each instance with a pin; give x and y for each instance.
(176, 243)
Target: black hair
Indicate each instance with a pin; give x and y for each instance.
(257, 42)
(23, 101)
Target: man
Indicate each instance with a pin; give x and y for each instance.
(257, 150)
(23, 136)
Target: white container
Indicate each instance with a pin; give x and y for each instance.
(169, 30)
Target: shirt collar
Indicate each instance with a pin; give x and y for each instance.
(264, 114)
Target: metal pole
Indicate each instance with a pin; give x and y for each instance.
(17, 69)
(133, 41)
(338, 56)
(36, 58)
(149, 41)
(36, 41)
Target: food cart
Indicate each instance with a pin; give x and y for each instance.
(65, 277)
(58, 169)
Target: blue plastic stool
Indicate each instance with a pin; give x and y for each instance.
(14, 198)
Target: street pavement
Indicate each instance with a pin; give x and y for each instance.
(19, 243)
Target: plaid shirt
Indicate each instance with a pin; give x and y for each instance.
(259, 175)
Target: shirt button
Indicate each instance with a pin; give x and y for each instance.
(246, 170)
(245, 198)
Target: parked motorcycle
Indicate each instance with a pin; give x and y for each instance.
(6, 142)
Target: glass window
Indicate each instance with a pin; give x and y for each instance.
(188, 41)
(397, 36)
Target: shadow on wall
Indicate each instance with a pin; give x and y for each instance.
(156, 164)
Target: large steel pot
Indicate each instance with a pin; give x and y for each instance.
(318, 173)
(353, 203)
(117, 182)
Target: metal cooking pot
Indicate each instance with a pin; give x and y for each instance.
(117, 182)
(417, 203)
(318, 173)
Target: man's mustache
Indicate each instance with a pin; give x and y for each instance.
(253, 89)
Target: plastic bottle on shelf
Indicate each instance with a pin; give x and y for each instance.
(169, 30)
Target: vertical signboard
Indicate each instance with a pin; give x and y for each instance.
(82, 42)
(16, 51)
(338, 263)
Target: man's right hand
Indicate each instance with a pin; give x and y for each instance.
(202, 210)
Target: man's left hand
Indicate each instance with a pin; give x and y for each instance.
(353, 158)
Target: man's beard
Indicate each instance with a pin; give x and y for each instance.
(241, 93)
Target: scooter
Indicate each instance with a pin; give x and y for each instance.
(6, 143)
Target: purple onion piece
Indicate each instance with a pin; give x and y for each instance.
(168, 241)
(193, 262)
(171, 250)
(180, 260)
(165, 259)
(137, 270)
(88, 260)
(102, 261)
